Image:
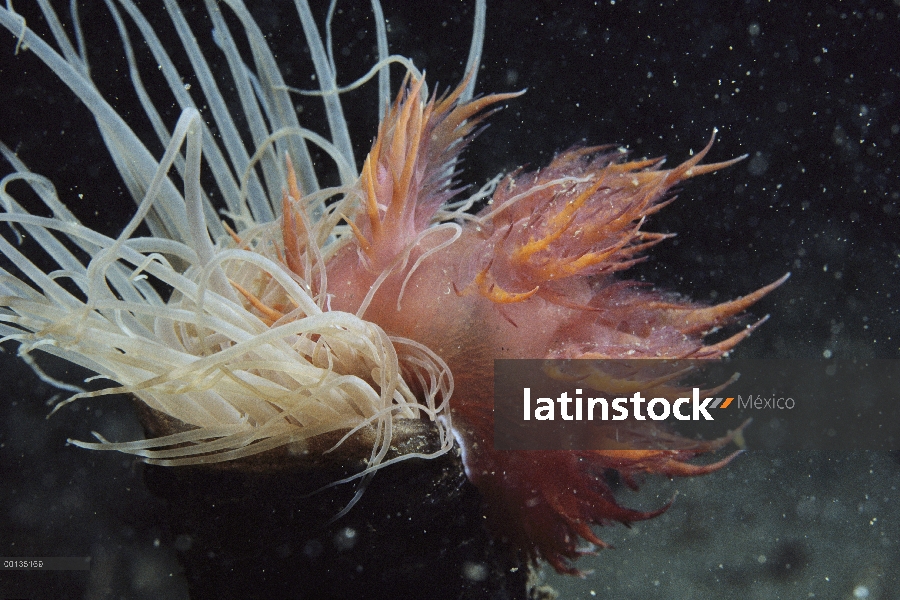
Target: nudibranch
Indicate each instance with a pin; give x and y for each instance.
(383, 299)
(530, 275)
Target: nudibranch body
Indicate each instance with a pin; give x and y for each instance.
(345, 309)
(531, 275)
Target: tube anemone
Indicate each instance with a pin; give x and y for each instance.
(168, 317)
(222, 328)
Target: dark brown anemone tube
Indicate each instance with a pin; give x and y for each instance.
(251, 528)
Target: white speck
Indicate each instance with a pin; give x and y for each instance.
(345, 539)
(475, 571)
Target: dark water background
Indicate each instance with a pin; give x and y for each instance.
(810, 91)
